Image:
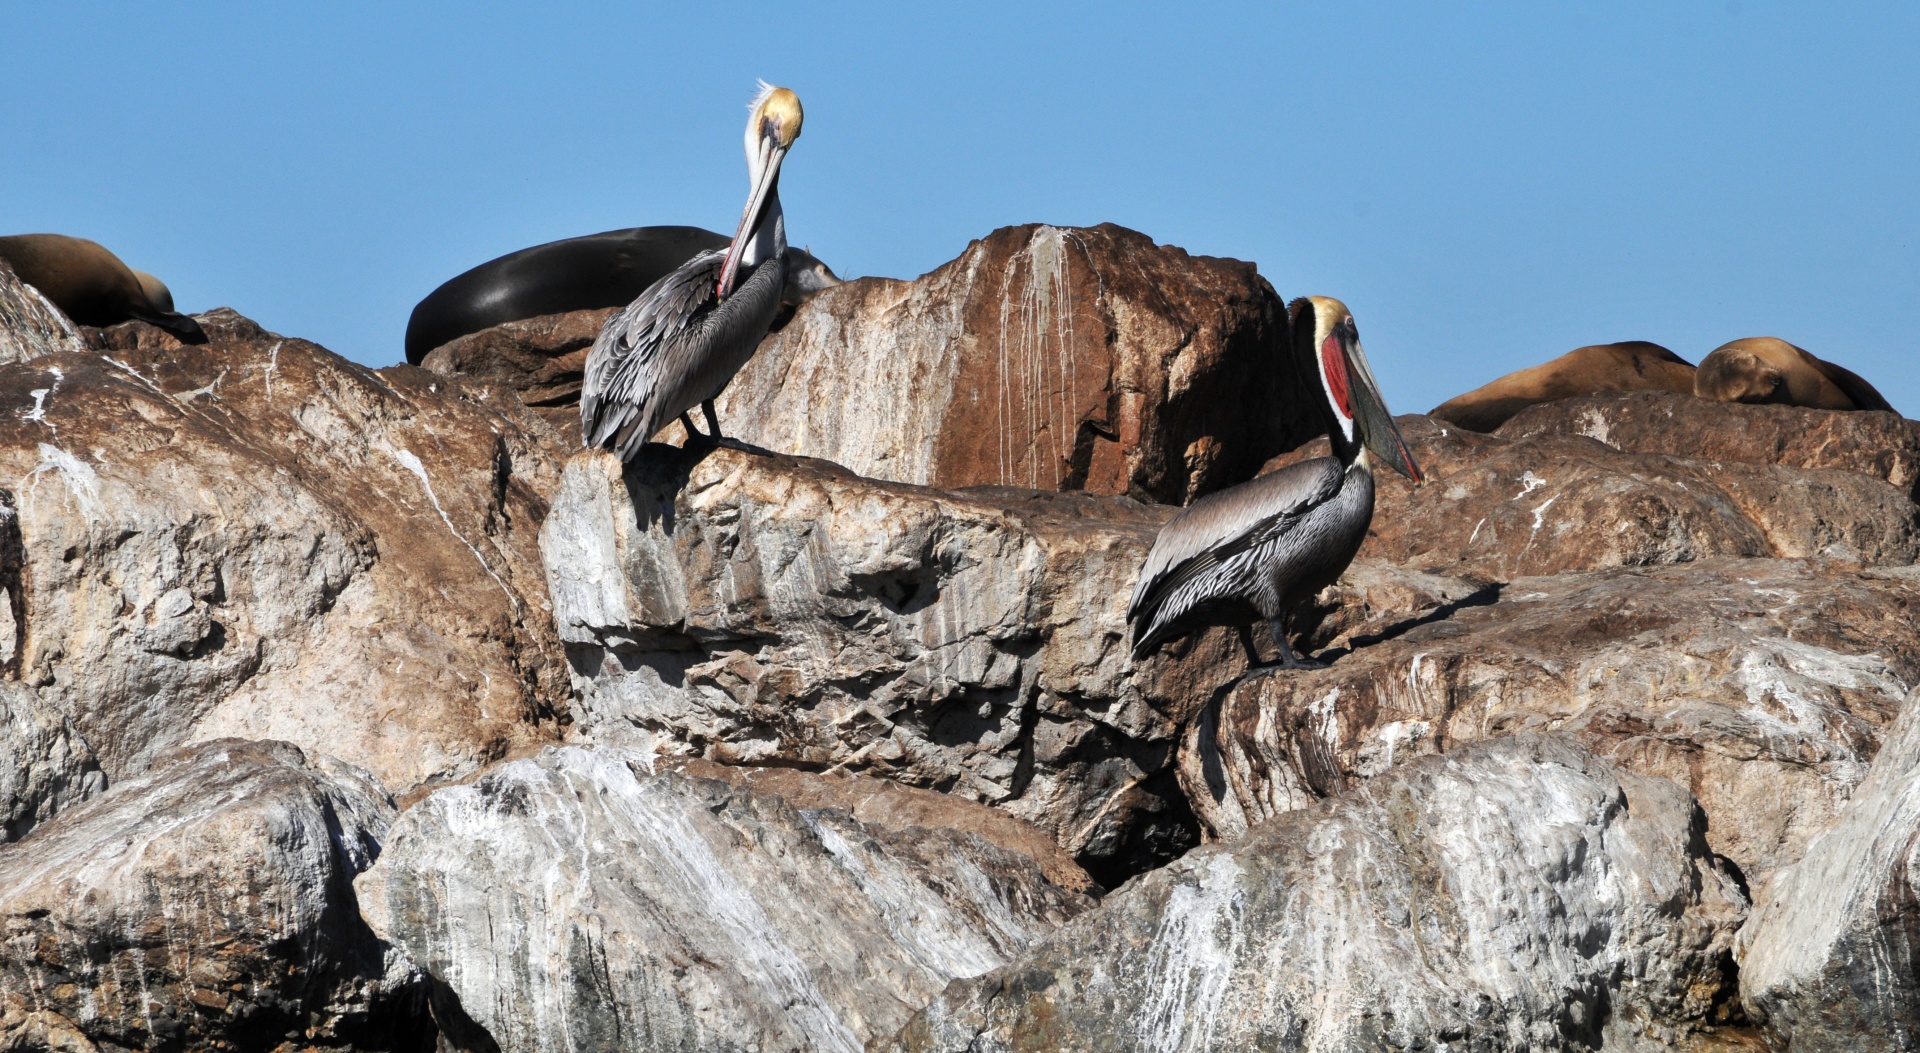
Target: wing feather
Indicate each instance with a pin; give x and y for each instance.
(630, 367)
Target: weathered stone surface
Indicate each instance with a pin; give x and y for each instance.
(45, 766)
(257, 538)
(1882, 445)
(1547, 502)
(1519, 894)
(29, 325)
(1831, 959)
(1762, 685)
(206, 906)
(542, 358)
(575, 900)
(757, 609)
(1056, 358)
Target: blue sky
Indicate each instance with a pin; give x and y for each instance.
(1486, 185)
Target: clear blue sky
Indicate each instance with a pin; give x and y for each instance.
(1486, 185)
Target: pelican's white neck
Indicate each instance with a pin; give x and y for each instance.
(769, 239)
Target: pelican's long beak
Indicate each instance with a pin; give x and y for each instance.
(768, 177)
(1378, 432)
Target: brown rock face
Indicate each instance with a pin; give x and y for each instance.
(1044, 357)
(256, 538)
(541, 358)
(1761, 685)
(1539, 497)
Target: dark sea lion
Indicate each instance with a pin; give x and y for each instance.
(1631, 365)
(1768, 369)
(91, 285)
(576, 274)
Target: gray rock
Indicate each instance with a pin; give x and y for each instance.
(206, 905)
(756, 609)
(1519, 894)
(575, 901)
(1831, 959)
(29, 325)
(1761, 685)
(45, 766)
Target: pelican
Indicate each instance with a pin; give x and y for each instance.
(680, 342)
(1252, 552)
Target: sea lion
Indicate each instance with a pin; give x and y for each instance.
(609, 269)
(91, 285)
(157, 292)
(1768, 369)
(1631, 365)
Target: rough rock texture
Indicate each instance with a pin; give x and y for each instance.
(1762, 685)
(1883, 445)
(1044, 357)
(45, 766)
(757, 609)
(206, 906)
(543, 359)
(576, 901)
(1517, 895)
(29, 325)
(257, 538)
(1550, 501)
(1831, 960)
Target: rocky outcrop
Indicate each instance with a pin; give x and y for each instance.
(257, 538)
(29, 325)
(1761, 685)
(1882, 445)
(1550, 499)
(542, 359)
(206, 906)
(45, 766)
(764, 610)
(577, 900)
(1831, 960)
(1055, 358)
(1516, 895)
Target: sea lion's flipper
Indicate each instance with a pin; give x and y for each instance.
(180, 325)
(1854, 386)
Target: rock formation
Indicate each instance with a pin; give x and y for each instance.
(29, 325)
(542, 359)
(1516, 895)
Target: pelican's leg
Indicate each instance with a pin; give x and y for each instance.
(693, 433)
(1289, 660)
(713, 420)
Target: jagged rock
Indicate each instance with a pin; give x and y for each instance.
(577, 900)
(1762, 685)
(758, 609)
(45, 766)
(29, 325)
(1831, 959)
(1883, 445)
(257, 538)
(1549, 501)
(1518, 894)
(542, 358)
(1047, 357)
(208, 905)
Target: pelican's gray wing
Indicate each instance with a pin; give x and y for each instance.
(631, 371)
(1215, 527)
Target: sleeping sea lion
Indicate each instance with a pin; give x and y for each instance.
(1768, 369)
(1631, 365)
(91, 285)
(157, 292)
(577, 274)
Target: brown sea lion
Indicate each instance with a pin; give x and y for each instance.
(1631, 365)
(157, 292)
(1768, 369)
(91, 285)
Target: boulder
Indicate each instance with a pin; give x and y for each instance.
(1518, 894)
(1054, 358)
(1548, 501)
(207, 905)
(1831, 959)
(1882, 445)
(543, 359)
(30, 326)
(1761, 685)
(45, 765)
(256, 538)
(756, 609)
(576, 899)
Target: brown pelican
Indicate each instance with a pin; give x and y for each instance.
(1251, 552)
(681, 341)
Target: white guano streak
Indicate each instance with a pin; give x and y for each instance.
(1190, 961)
(412, 464)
